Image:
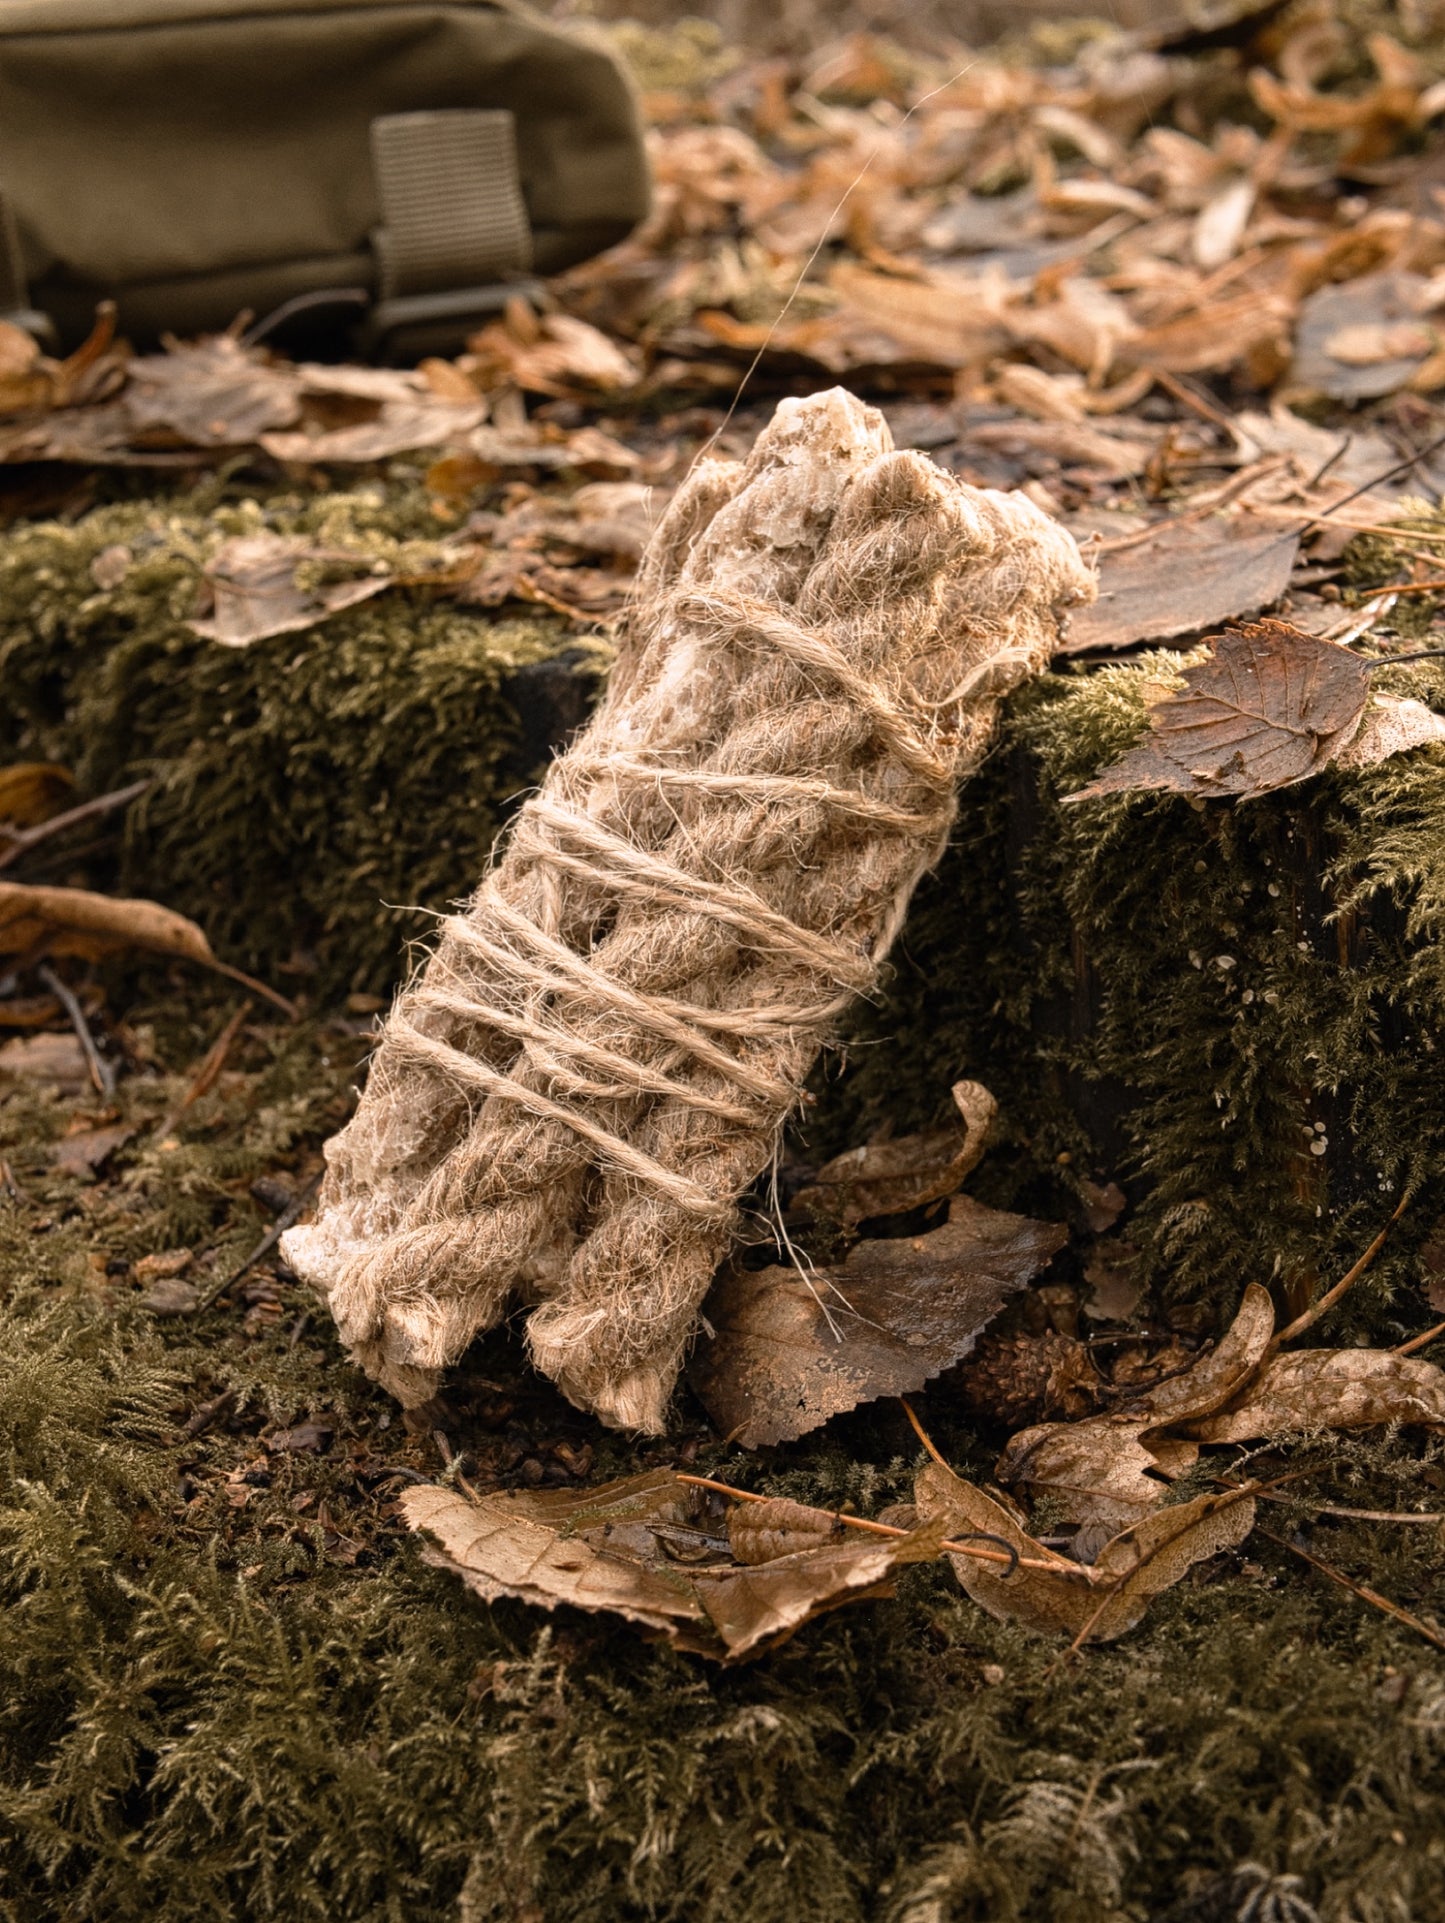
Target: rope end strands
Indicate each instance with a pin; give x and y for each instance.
(595, 1062)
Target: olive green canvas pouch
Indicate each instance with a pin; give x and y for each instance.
(405, 161)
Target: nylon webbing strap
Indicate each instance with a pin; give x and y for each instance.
(451, 201)
(14, 284)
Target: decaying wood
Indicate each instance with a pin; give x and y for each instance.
(596, 1061)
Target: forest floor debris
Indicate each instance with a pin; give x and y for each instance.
(1191, 303)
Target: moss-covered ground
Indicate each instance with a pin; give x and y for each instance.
(229, 1688)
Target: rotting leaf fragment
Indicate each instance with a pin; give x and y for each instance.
(1094, 1605)
(259, 586)
(788, 1351)
(889, 1178)
(643, 1549)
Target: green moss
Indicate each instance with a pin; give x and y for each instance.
(1236, 1008)
(309, 788)
(229, 1688)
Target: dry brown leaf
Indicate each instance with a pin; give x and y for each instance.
(1330, 1389)
(72, 921)
(788, 1351)
(1065, 1599)
(642, 1549)
(87, 1150)
(1219, 336)
(25, 379)
(557, 354)
(1188, 577)
(1271, 706)
(753, 1610)
(1364, 339)
(1056, 1601)
(400, 427)
(265, 584)
(209, 394)
(760, 1532)
(889, 1178)
(1393, 725)
(33, 791)
(1112, 1469)
(1090, 451)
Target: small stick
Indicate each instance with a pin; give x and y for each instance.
(1420, 1341)
(207, 1074)
(1058, 1568)
(1324, 467)
(265, 1245)
(1400, 467)
(1327, 1301)
(22, 840)
(287, 1008)
(1185, 394)
(101, 1072)
(923, 1435)
(1360, 1515)
(1366, 1594)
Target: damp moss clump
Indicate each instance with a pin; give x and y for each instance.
(230, 1688)
(308, 786)
(1235, 1008)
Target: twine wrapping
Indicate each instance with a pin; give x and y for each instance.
(596, 1061)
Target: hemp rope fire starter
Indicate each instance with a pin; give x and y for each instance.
(567, 1102)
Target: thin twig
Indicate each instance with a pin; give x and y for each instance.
(207, 1074)
(924, 1437)
(1328, 462)
(1420, 1341)
(1185, 394)
(272, 995)
(1327, 1301)
(1362, 1590)
(1400, 467)
(101, 1072)
(1014, 1561)
(22, 840)
(265, 1245)
(1358, 1515)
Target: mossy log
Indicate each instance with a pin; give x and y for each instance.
(312, 787)
(1235, 1009)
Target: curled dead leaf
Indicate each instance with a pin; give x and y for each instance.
(33, 791)
(36, 922)
(889, 1178)
(762, 1531)
(642, 1549)
(1096, 1604)
(265, 584)
(72, 921)
(788, 1351)
(1271, 706)
(1113, 1469)
(1330, 1389)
